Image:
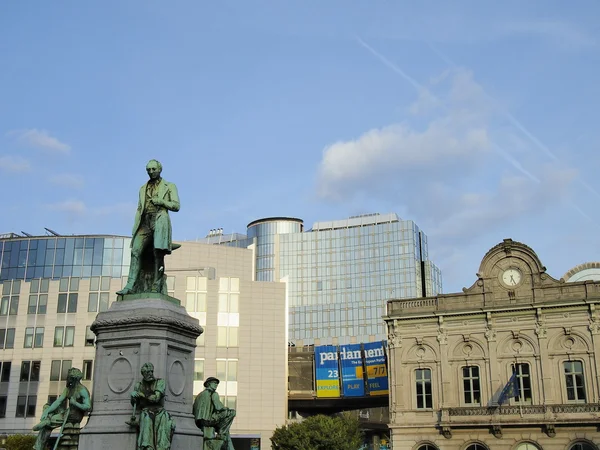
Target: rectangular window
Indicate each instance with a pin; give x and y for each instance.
(72, 304)
(221, 336)
(21, 406)
(93, 302)
(62, 303)
(59, 336)
(10, 338)
(199, 370)
(5, 371)
(64, 370)
(4, 305)
(87, 369)
(52, 399)
(471, 385)
(14, 305)
(7, 338)
(30, 371)
(69, 336)
(227, 373)
(35, 371)
(98, 301)
(89, 337)
(55, 370)
(37, 304)
(39, 337)
(25, 369)
(32, 307)
(59, 369)
(28, 343)
(3, 399)
(42, 303)
(424, 389)
(31, 404)
(64, 336)
(524, 382)
(575, 381)
(26, 406)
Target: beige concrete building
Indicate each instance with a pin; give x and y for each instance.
(451, 357)
(45, 317)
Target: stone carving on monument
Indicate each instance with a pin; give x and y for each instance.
(66, 412)
(145, 331)
(213, 418)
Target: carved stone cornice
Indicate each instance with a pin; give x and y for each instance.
(109, 322)
(546, 410)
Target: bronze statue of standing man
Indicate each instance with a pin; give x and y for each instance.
(152, 233)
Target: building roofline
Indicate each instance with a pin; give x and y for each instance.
(274, 219)
(15, 236)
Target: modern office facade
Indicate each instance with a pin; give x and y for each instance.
(511, 363)
(53, 287)
(340, 273)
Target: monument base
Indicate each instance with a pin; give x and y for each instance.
(132, 332)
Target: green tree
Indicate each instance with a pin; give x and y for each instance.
(319, 433)
(20, 442)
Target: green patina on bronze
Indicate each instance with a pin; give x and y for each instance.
(155, 425)
(66, 412)
(148, 295)
(213, 418)
(152, 234)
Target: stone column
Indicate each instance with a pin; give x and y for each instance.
(132, 332)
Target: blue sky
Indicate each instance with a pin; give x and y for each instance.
(477, 120)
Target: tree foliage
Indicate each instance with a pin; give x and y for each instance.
(19, 442)
(319, 433)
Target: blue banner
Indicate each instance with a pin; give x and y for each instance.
(353, 384)
(376, 368)
(327, 373)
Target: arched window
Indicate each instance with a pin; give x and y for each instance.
(427, 447)
(527, 446)
(582, 446)
(476, 447)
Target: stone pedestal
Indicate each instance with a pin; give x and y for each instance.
(132, 332)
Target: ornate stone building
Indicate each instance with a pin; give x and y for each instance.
(517, 330)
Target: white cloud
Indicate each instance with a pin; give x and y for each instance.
(40, 139)
(76, 207)
(14, 164)
(68, 180)
(472, 213)
(456, 137)
(564, 34)
(117, 209)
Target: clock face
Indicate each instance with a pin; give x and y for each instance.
(511, 277)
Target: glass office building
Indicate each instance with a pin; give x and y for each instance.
(340, 273)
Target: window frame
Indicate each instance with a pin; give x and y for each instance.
(471, 380)
(523, 380)
(422, 382)
(574, 380)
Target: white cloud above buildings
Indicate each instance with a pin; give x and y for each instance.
(68, 180)
(14, 164)
(76, 207)
(41, 140)
(452, 164)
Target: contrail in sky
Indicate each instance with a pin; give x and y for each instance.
(421, 88)
(518, 125)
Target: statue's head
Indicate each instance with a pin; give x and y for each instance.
(154, 168)
(148, 371)
(74, 376)
(211, 382)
